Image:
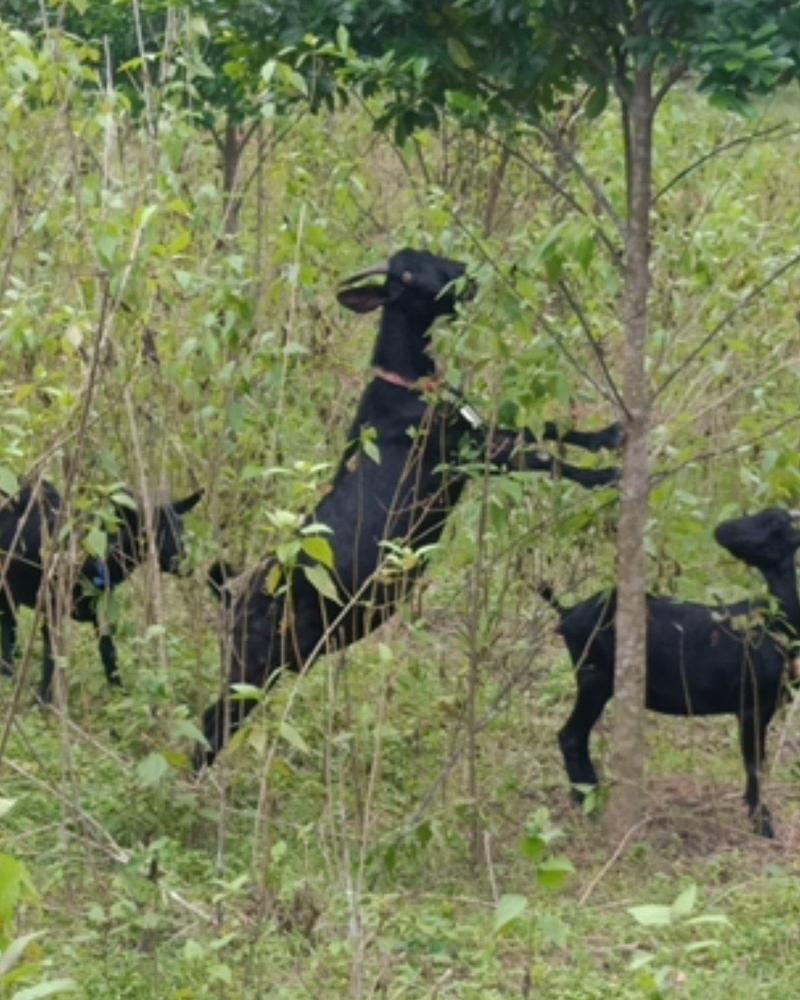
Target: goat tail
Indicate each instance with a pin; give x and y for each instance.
(545, 591)
(218, 575)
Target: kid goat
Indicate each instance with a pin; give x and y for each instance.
(32, 513)
(701, 659)
(399, 478)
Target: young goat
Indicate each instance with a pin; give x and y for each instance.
(701, 660)
(29, 515)
(401, 475)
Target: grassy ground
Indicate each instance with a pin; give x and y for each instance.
(350, 871)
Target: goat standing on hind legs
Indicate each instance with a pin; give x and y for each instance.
(701, 659)
(397, 482)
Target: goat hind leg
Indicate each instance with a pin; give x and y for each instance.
(48, 667)
(752, 734)
(108, 654)
(8, 642)
(573, 738)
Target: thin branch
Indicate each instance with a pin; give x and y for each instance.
(545, 323)
(722, 148)
(740, 306)
(588, 181)
(217, 138)
(673, 76)
(614, 856)
(614, 252)
(273, 143)
(559, 340)
(704, 456)
(596, 348)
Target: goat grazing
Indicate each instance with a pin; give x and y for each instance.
(32, 514)
(399, 478)
(701, 659)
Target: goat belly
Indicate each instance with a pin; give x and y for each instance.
(684, 680)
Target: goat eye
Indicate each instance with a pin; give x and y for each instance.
(407, 278)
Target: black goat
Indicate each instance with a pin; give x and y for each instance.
(402, 473)
(701, 659)
(32, 514)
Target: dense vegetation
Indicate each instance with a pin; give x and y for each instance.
(397, 823)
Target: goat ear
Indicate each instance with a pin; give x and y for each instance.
(365, 299)
(185, 505)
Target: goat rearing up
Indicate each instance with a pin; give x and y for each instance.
(701, 659)
(398, 480)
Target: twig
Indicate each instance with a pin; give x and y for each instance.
(598, 352)
(722, 148)
(740, 306)
(584, 896)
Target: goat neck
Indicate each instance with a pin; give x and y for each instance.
(401, 347)
(782, 585)
(124, 555)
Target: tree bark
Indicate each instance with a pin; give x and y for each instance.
(625, 807)
(232, 148)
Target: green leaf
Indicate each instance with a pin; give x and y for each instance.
(319, 549)
(8, 480)
(246, 692)
(292, 737)
(14, 952)
(292, 80)
(684, 904)
(321, 580)
(509, 907)
(46, 989)
(106, 246)
(459, 54)
(96, 542)
(553, 929)
(15, 883)
(189, 730)
(553, 873)
(584, 250)
(533, 846)
(651, 914)
(274, 579)
(597, 100)
(122, 499)
(152, 769)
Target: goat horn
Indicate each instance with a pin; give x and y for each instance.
(369, 273)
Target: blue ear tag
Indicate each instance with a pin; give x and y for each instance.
(100, 578)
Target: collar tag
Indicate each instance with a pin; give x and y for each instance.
(471, 416)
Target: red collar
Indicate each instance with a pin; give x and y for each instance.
(419, 385)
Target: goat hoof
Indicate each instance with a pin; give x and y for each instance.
(614, 436)
(602, 477)
(762, 824)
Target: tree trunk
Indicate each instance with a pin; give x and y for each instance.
(628, 752)
(233, 145)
